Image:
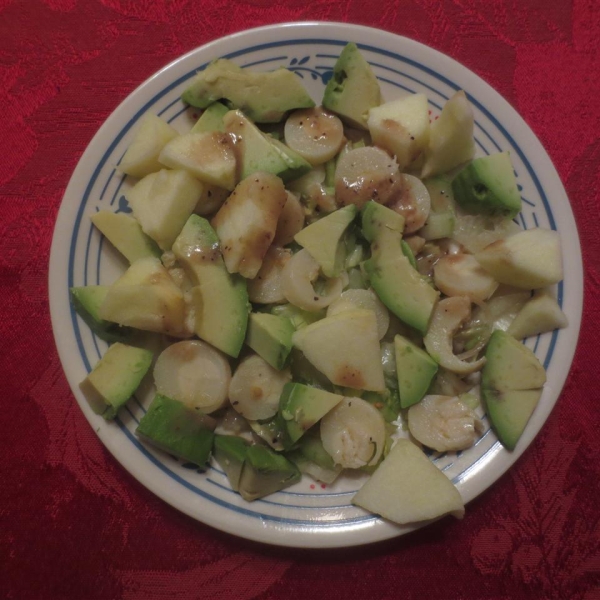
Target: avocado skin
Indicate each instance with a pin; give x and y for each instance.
(177, 429)
(353, 89)
(86, 301)
(265, 472)
(264, 97)
(488, 186)
(230, 452)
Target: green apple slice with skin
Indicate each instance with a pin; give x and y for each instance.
(402, 128)
(529, 259)
(152, 136)
(511, 386)
(247, 222)
(208, 156)
(407, 487)
(145, 297)
(162, 202)
(540, 315)
(345, 348)
(450, 138)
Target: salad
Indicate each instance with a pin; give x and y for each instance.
(328, 288)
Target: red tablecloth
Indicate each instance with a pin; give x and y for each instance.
(73, 523)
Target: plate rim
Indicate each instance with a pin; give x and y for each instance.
(339, 31)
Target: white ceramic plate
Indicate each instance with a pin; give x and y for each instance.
(306, 515)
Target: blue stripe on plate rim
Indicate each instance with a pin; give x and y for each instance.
(98, 169)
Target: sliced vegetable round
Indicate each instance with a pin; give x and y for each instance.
(194, 373)
(353, 433)
(315, 134)
(255, 388)
(365, 174)
(412, 201)
(444, 423)
(297, 278)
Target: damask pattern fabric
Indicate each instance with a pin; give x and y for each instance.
(73, 523)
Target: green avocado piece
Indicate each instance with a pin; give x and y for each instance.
(86, 301)
(353, 89)
(387, 403)
(178, 429)
(270, 337)
(312, 448)
(264, 97)
(397, 284)
(510, 365)
(230, 452)
(488, 185)
(324, 239)
(509, 412)
(407, 251)
(301, 406)
(219, 298)
(511, 386)
(299, 318)
(115, 377)
(265, 472)
(415, 369)
(274, 432)
(211, 119)
(376, 218)
(126, 235)
(259, 152)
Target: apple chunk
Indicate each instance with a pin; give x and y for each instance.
(209, 156)
(401, 127)
(407, 487)
(247, 222)
(141, 157)
(529, 259)
(345, 348)
(450, 138)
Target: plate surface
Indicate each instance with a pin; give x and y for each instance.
(306, 515)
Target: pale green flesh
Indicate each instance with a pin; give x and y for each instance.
(415, 369)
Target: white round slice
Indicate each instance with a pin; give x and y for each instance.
(353, 433)
(194, 373)
(315, 134)
(255, 388)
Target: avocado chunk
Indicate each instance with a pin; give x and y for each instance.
(264, 97)
(270, 337)
(211, 119)
(126, 235)
(220, 299)
(353, 89)
(259, 152)
(441, 220)
(301, 406)
(488, 186)
(265, 472)
(324, 239)
(415, 369)
(230, 452)
(178, 429)
(511, 386)
(115, 377)
(274, 432)
(399, 286)
(86, 300)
